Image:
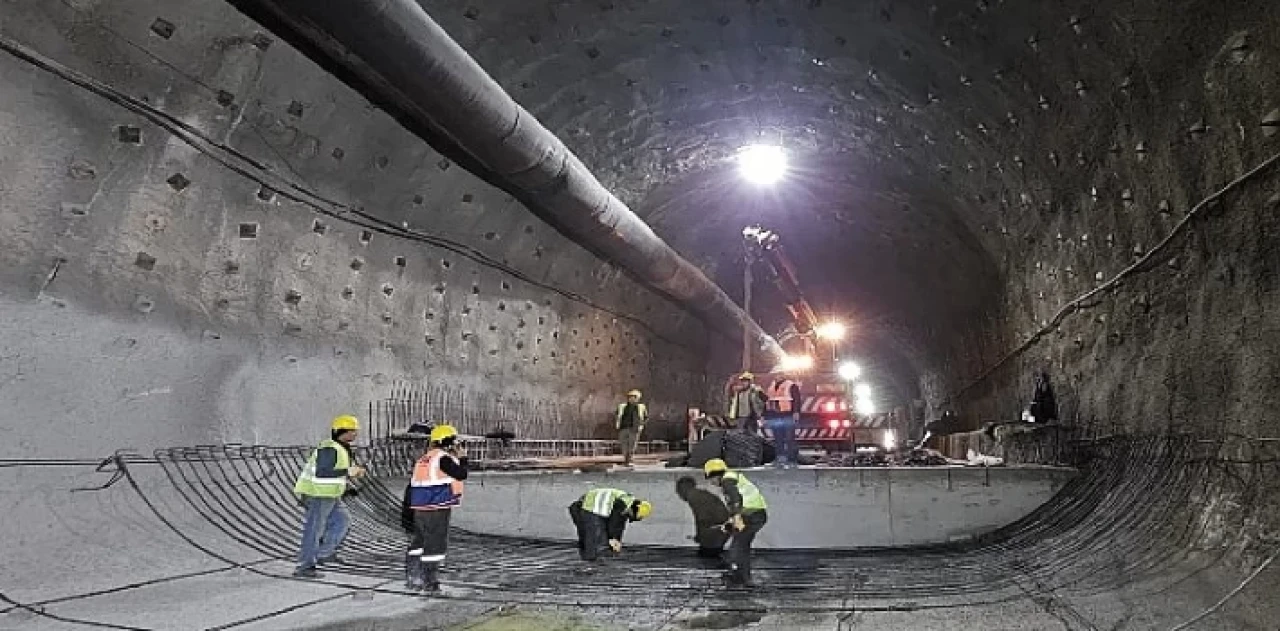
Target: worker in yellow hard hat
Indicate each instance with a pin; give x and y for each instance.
(434, 491)
(601, 515)
(629, 420)
(320, 487)
(748, 509)
(746, 403)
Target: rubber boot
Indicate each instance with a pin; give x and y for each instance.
(414, 573)
(432, 577)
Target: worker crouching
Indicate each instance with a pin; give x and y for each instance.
(747, 509)
(436, 488)
(601, 516)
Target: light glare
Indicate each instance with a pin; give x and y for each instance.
(862, 390)
(850, 371)
(865, 406)
(794, 363)
(830, 331)
(762, 164)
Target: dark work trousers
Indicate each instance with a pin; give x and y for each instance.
(431, 534)
(748, 425)
(783, 426)
(740, 546)
(591, 531)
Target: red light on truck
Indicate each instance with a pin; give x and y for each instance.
(848, 423)
(843, 406)
(833, 423)
(830, 406)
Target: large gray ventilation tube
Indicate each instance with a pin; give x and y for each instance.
(397, 56)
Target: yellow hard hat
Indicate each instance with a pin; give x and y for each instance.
(643, 510)
(746, 376)
(346, 422)
(441, 432)
(714, 465)
(634, 393)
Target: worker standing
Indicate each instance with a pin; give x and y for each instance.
(746, 403)
(747, 506)
(320, 487)
(780, 417)
(601, 516)
(629, 421)
(436, 488)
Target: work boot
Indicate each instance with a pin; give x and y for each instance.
(332, 559)
(307, 572)
(431, 578)
(414, 573)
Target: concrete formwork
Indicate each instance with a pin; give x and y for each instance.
(808, 508)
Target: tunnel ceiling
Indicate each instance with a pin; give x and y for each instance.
(929, 141)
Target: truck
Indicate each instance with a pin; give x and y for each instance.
(828, 415)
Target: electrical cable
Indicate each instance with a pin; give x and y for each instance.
(251, 169)
(1078, 303)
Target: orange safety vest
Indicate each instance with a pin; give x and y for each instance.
(431, 488)
(780, 396)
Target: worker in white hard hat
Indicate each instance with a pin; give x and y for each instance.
(629, 420)
(434, 491)
(746, 403)
(320, 487)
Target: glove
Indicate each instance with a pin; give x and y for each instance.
(355, 471)
(615, 545)
(738, 524)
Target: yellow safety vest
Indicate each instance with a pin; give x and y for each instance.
(752, 499)
(600, 501)
(308, 485)
(642, 413)
(752, 395)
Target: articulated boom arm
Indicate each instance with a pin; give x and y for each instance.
(764, 244)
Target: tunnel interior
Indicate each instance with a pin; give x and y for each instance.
(209, 238)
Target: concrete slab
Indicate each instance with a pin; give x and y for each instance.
(808, 508)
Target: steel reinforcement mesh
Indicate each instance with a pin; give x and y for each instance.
(1124, 519)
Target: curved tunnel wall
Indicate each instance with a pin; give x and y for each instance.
(160, 294)
(976, 165)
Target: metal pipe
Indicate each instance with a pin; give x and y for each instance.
(393, 53)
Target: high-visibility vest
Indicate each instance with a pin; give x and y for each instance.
(752, 499)
(752, 395)
(642, 413)
(308, 485)
(600, 501)
(431, 488)
(780, 396)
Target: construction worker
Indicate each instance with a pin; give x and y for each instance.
(709, 518)
(320, 487)
(746, 404)
(747, 509)
(601, 516)
(436, 488)
(782, 413)
(629, 421)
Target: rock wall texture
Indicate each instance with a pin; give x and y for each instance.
(206, 238)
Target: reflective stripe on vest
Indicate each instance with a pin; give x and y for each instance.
(780, 396)
(432, 488)
(311, 486)
(600, 501)
(642, 413)
(752, 499)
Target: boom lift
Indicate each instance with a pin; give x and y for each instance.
(827, 409)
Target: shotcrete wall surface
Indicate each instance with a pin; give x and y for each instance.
(812, 508)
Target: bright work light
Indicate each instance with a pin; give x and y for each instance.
(762, 164)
